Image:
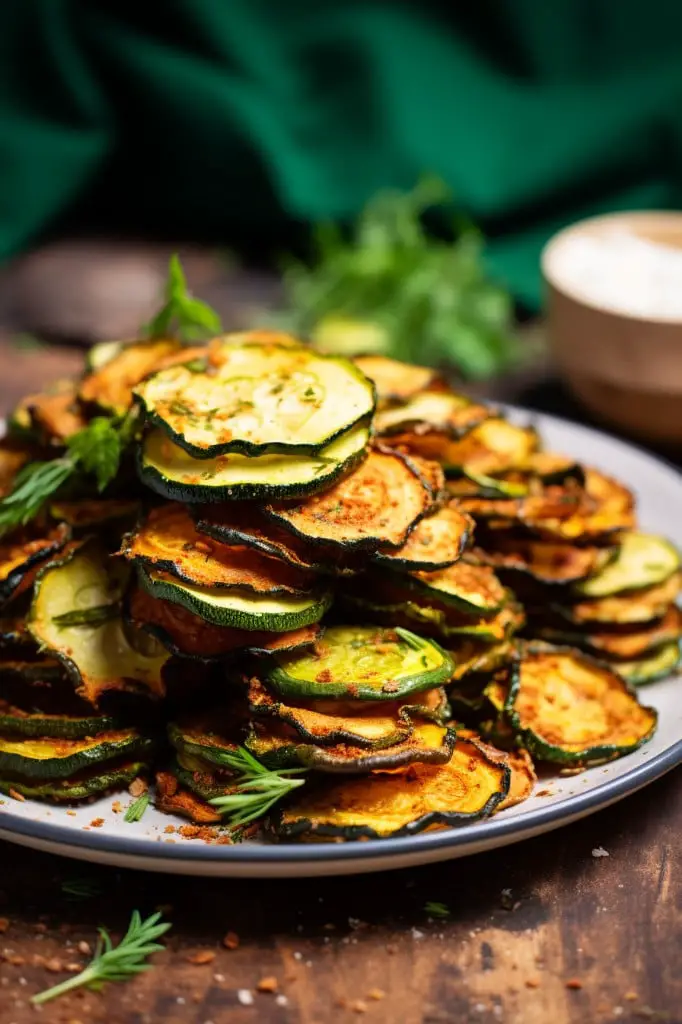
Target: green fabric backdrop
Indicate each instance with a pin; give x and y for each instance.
(235, 119)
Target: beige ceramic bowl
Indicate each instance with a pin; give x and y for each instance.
(627, 369)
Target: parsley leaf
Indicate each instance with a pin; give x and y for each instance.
(182, 315)
(97, 448)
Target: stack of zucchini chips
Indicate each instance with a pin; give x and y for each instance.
(315, 569)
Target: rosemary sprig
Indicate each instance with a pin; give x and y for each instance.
(115, 963)
(94, 616)
(137, 808)
(256, 789)
(95, 450)
(182, 315)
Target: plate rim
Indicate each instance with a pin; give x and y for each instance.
(609, 791)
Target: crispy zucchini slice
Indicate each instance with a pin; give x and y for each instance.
(645, 605)
(172, 798)
(100, 654)
(663, 662)
(475, 656)
(541, 469)
(548, 503)
(241, 609)
(51, 417)
(189, 636)
(395, 381)
(171, 472)
(237, 523)
(82, 515)
(443, 413)
(58, 758)
(470, 588)
(206, 780)
(257, 400)
(122, 366)
(469, 787)
(361, 663)
(357, 723)
(374, 506)
(278, 746)
(643, 560)
(566, 707)
(168, 540)
(519, 762)
(435, 543)
(22, 556)
(492, 447)
(208, 735)
(87, 783)
(611, 509)
(623, 644)
(13, 457)
(545, 562)
(18, 721)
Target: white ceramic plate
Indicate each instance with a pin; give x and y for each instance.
(147, 845)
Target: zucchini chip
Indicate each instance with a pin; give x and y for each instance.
(470, 588)
(257, 400)
(23, 555)
(240, 524)
(58, 758)
(619, 644)
(189, 636)
(357, 723)
(19, 721)
(277, 746)
(469, 787)
(82, 515)
(642, 560)
(612, 509)
(361, 663)
(474, 656)
(395, 381)
(208, 736)
(167, 469)
(433, 412)
(238, 608)
(663, 662)
(550, 503)
(87, 783)
(171, 798)
(540, 470)
(645, 605)
(568, 708)
(121, 367)
(168, 540)
(376, 505)
(540, 560)
(519, 762)
(492, 447)
(51, 417)
(75, 617)
(434, 544)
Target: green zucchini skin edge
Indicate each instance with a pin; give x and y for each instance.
(644, 676)
(548, 751)
(238, 446)
(206, 753)
(309, 755)
(204, 494)
(10, 584)
(177, 593)
(68, 727)
(75, 789)
(189, 779)
(453, 600)
(62, 767)
(288, 686)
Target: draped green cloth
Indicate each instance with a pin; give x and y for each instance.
(240, 120)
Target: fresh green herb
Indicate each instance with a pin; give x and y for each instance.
(437, 909)
(391, 287)
(80, 888)
(256, 788)
(409, 638)
(137, 808)
(115, 963)
(27, 342)
(179, 408)
(95, 450)
(94, 616)
(182, 315)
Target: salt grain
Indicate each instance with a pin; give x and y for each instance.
(245, 996)
(599, 851)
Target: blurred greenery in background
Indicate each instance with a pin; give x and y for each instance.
(390, 286)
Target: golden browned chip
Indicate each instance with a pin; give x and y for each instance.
(622, 644)
(566, 707)
(13, 457)
(56, 414)
(436, 542)
(542, 560)
(467, 586)
(111, 386)
(470, 786)
(610, 507)
(375, 505)
(492, 447)
(23, 556)
(396, 381)
(519, 761)
(169, 541)
(174, 799)
(643, 605)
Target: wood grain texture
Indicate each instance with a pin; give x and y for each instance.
(576, 940)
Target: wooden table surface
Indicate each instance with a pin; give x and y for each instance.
(539, 933)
